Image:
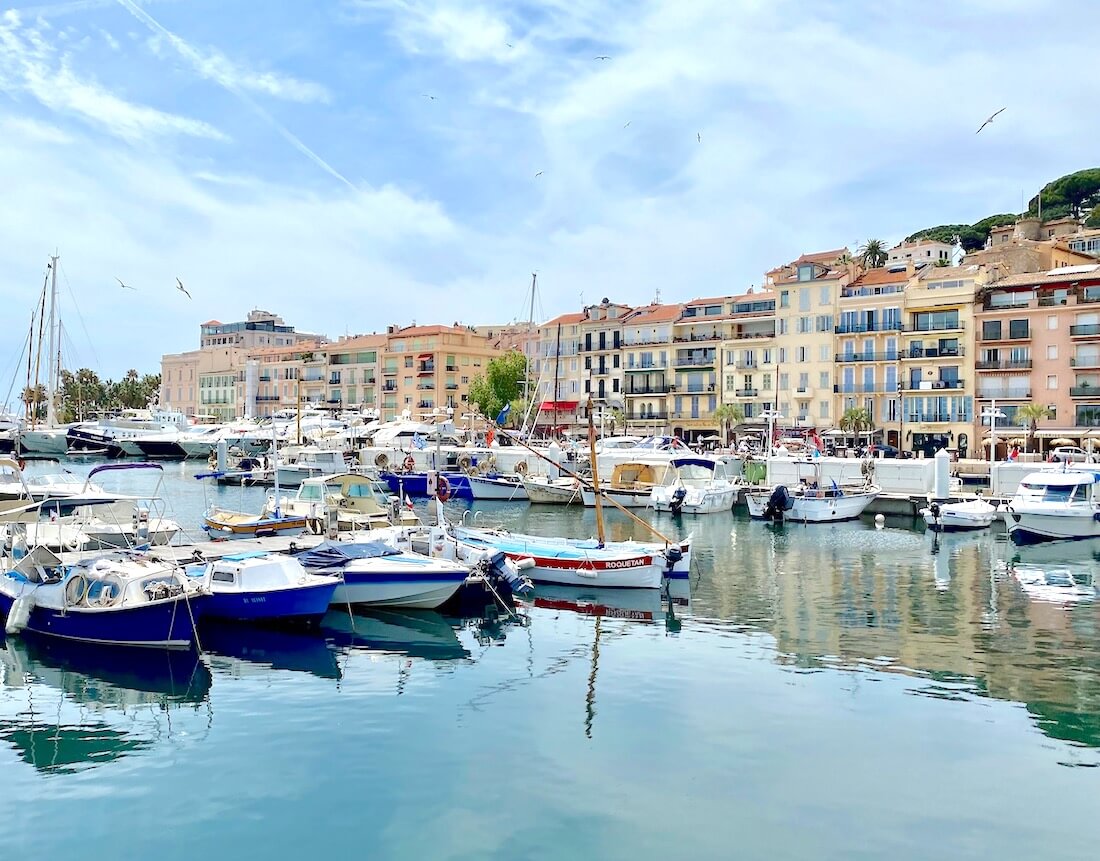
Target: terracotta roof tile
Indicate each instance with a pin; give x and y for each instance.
(565, 319)
(881, 276)
(653, 314)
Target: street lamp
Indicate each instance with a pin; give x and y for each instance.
(992, 413)
(771, 417)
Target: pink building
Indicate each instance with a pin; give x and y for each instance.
(1038, 340)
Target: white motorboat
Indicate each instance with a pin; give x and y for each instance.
(631, 484)
(701, 486)
(375, 573)
(544, 490)
(497, 487)
(1061, 504)
(353, 498)
(808, 503)
(959, 516)
(311, 462)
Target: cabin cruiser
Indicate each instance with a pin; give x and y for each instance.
(310, 462)
(701, 486)
(263, 587)
(1056, 505)
(350, 498)
(505, 488)
(631, 484)
(812, 500)
(114, 437)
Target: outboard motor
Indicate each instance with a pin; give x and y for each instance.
(673, 555)
(140, 522)
(676, 503)
(778, 502)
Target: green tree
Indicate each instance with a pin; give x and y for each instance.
(971, 238)
(1071, 194)
(1029, 416)
(873, 254)
(856, 420)
(728, 415)
(34, 399)
(502, 383)
(1094, 217)
(616, 419)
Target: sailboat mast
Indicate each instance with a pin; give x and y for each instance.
(595, 471)
(527, 344)
(38, 358)
(55, 347)
(557, 368)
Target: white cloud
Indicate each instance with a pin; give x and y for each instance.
(111, 41)
(29, 63)
(461, 30)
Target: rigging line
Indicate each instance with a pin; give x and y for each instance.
(80, 317)
(15, 370)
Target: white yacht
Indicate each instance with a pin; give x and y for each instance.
(1056, 505)
(701, 486)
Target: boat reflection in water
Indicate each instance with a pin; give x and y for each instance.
(1058, 584)
(415, 633)
(242, 650)
(60, 703)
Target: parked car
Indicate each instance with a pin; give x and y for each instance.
(880, 449)
(1069, 454)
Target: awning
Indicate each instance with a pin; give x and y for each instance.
(559, 406)
(1051, 434)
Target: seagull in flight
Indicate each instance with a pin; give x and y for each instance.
(988, 121)
(540, 173)
(602, 57)
(699, 136)
(428, 96)
(125, 286)
(181, 288)
(626, 124)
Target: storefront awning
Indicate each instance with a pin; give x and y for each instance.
(559, 406)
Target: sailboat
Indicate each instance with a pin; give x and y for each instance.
(48, 439)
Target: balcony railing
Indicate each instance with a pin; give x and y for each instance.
(647, 342)
(1088, 391)
(1003, 364)
(265, 398)
(856, 389)
(930, 327)
(648, 390)
(744, 365)
(698, 389)
(389, 387)
(694, 361)
(748, 336)
(425, 368)
(1084, 329)
(658, 415)
(451, 369)
(652, 366)
(1004, 394)
(932, 385)
(452, 387)
(1005, 335)
(426, 387)
(695, 336)
(933, 353)
(868, 357)
(746, 393)
(864, 328)
(1084, 362)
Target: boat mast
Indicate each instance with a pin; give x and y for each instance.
(527, 346)
(275, 463)
(595, 470)
(38, 358)
(557, 368)
(55, 347)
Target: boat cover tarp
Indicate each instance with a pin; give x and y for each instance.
(334, 554)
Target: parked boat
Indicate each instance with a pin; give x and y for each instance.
(701, 486)
(544, 490)
(375, 573)
(1060, 504)
(415, 484)
(810, 503)
(264, 587)
(959, 516)
(311, 462)
(497, 487)
(349, 496)
(631, 484)
(112, 599)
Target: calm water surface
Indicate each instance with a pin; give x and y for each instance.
(828, 692)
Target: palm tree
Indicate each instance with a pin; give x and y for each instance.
(856, 420)
(728, 415)
(872, 254)
(1030, 415)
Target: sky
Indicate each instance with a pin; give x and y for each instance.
(351, 164)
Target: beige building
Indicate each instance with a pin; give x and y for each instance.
(276, 373)
(749, 355)
(193, 382)
(259, 329)
(647, 348)
(919, 252)
(807, 298)
(601, 334)
(354, 372)
(937, 361)
(560, 373)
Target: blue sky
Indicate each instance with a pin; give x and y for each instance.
(285, 155)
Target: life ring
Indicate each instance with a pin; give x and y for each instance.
(442, 489)
(76, 590)
(521, 468)
(22, 464)
(464, 462)
(409, 463)
(381, 461)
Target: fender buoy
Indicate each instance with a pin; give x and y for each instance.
(442, 489)
(382, 461)
(409, 463)
(521, 468)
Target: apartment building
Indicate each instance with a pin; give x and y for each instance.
(919, 252)
(749, 355)
(1038, 341)
(648, 374)
(937, 368)
(807, 293)
(258, 329)
(559, 371)
(601, 335)
(868, 352)
(275, 374)
(426, 369)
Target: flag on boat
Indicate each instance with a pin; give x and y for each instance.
(419, 441)
(408, 502)
(502, 416)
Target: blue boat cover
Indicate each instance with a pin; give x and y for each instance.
(694, 461)
(334, 554)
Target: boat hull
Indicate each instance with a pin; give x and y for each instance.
(259, 527)
(306, 603)
(831, 509)
(43, 442)
(81, 440)
(415, 484)
(489, 489)
(161, 449)
(425, 590)
(164, 624)
(710, 502)
(541, 493)
(1029, 527)
(954, 521)
(625, 498)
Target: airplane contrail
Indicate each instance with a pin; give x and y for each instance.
(196, 60)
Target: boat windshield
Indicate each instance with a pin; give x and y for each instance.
(358, 490)
(1052, 493)
(311, 492)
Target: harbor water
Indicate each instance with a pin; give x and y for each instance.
(832, 691)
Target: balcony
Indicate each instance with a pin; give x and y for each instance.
(868, 357)
(1084, 329)
(864, 328)
(313, 378)
(389, 387)
(695, 361)
(933, 353)
(1084, 362)
(746, 393)
(452, 387)
(426, 387)
(929, 327)
(1005, 335)
(854, 389)
(451, 369)
(746, 366)
(334, 381)
(647, 390)
(424, 405)
(334, 401)
(1003, 302)
(1004, 365)
(932, 385)
(426, 368)
(652, 366)
(389, 372)
(266, 398)
(1087, 390)
(264, 378)
(656, 415)
(698, 389)
(749, 336)
(696, 337)
(1004, 394)
(646, 342)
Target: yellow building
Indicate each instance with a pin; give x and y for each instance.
(749, 356)
(868, 348)
(558, 370)
(647, 348)
(600, 334)
(807, 295)
(354, 372)
(937, 361)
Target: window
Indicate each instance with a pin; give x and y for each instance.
(781, 326)
(782, 355)
(1017, 328)
(1052, 381)
(784, 383)
(803, 382)
(824, 379)
(408, 361)
(1052, 322)
(826, 296)
(1052, 351)
(823, 409)
(767, 381)
(991, 330)
(785, 299)
(803, 294)
(800, 354)
(806, 272)
(825, 352)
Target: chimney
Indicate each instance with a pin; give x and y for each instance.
(910, 267)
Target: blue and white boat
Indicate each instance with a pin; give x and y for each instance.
(1061, 504)
(263, 587)
(374, 573)
(116, 599)
(415, 484)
